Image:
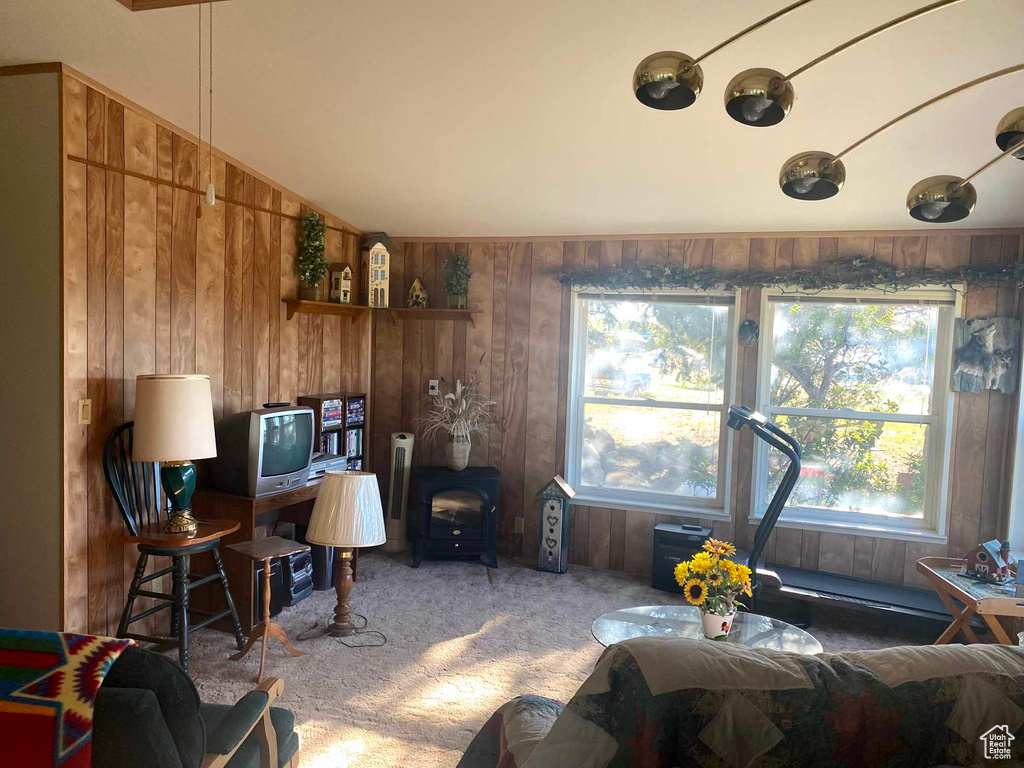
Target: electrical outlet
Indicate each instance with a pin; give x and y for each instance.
(518, 524)
(85, 411)
(432, 387)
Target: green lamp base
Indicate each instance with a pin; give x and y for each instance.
(178, 479)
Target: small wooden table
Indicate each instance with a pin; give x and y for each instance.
(266, 550)
(988, 601)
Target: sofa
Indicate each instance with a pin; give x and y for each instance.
(663, 702)
(148, 713)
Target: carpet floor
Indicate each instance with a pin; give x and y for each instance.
(461, 640)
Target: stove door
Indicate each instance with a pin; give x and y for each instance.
(457, 514)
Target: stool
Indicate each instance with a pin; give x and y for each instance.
(265, 550)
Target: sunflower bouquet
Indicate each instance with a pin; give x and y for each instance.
(713, 583)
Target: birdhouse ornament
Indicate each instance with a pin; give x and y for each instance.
(989, 562)
(554, 526)
(341, 284)
(376, 261)
(418, 297)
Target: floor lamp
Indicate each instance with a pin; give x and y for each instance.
(347, 514)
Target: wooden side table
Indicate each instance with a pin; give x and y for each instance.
(266, 550)
(989, 601)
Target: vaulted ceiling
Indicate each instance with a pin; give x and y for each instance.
(496, 118)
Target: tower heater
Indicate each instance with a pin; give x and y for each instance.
(398, 501)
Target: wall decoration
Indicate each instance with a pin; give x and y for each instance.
(376, 270)
(310, 262)
(749, 332)
(341, 284)
(418, 297)
(986, 354)
(989, 562)
(456, 280)
(854, 272)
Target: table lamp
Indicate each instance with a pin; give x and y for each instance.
(173, 425)
(347, 514)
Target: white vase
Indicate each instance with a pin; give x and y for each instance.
(456, 452)
(716, 626)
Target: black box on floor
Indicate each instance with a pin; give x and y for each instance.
(672, 545)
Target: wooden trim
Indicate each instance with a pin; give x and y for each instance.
(196, 191)
(203, 146)
(30, 69)
(55, 68)
(153, 5)
(715, 235)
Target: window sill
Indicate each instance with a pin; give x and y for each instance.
(681, 509)
(855, 529)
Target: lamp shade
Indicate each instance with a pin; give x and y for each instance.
(173, 418)
(347, 512)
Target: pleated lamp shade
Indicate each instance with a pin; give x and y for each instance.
(173, 418)
(347, 512)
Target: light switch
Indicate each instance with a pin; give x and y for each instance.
(432, 387)
(85, 411)
(518, 522)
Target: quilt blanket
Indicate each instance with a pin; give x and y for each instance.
(48, 686)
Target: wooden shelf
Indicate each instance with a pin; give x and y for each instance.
(354, 310)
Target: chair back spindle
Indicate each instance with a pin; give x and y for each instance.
(135, 485)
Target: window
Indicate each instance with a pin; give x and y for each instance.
(861, 379)
(650, 384)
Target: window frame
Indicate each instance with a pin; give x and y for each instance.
(719, 507)
(933, 525)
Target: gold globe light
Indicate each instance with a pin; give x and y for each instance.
(812, 176)
(667, 80)
(759, 97)
(1010, 131)
(941, 199)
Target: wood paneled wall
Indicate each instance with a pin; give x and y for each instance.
(148, 288)
(519, 349)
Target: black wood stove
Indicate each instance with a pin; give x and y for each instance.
(457, 513)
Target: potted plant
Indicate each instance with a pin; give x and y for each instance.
(458, 412)
(712, 583)
(310, 263)
(456, 280)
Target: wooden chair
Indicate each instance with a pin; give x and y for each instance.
(144, 508)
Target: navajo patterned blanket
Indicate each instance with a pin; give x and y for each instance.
(48, 686)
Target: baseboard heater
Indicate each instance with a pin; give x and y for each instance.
(815, 586)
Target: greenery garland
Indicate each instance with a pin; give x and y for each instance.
(310, 263)
(853, 272)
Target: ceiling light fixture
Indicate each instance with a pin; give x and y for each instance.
(820, 175)
(764, 97)
(669, 80)
(1011, 130)
(942, 199)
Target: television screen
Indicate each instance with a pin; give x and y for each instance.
(286, 443)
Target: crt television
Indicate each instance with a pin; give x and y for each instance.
(264, 451)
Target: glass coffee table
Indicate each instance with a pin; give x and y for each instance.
(748, 629)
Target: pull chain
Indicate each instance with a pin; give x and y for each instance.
(199, 206)
(211, 193)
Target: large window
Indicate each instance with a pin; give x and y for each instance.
(862, 381)
(651, 380)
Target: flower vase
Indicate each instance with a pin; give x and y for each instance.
(456, 452)
(716, 626)
(457, 302)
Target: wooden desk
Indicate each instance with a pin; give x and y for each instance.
(250, 513)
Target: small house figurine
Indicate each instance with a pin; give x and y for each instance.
(341, 284)
(376, 267)
(989, 562)
(554, 498)
(418, 297)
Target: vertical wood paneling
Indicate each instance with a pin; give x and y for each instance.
(478, 335)
(148, 288)
(517, 356)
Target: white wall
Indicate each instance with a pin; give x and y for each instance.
(30, 352)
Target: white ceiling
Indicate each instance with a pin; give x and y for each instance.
(497, 118)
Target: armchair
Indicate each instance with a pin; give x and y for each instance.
(149, 713)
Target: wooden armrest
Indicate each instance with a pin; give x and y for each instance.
(266, 736)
